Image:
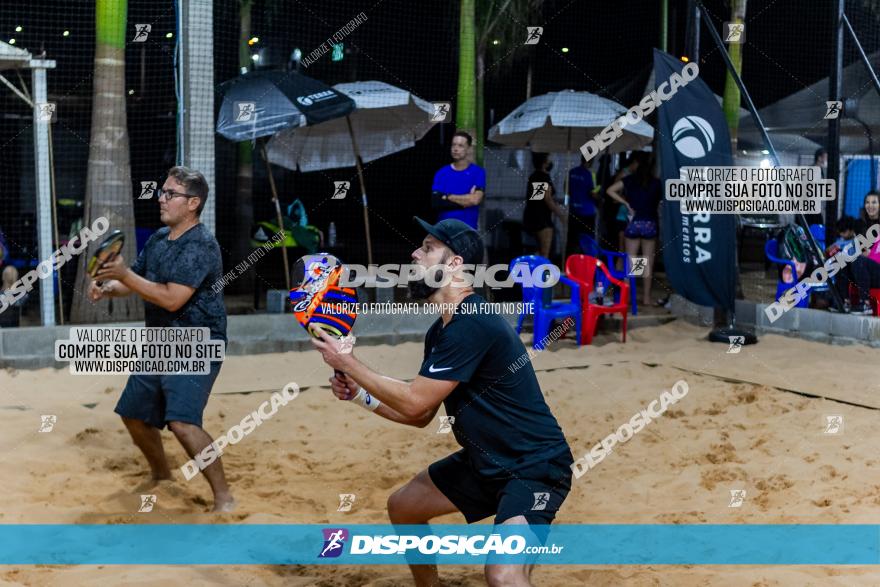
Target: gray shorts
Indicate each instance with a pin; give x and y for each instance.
(159, 399)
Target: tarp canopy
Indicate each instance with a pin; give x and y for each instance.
(803, 112)
(13, 57)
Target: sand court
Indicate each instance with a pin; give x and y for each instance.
(680, 468)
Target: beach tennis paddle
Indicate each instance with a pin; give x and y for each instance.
(319, 300)
(108, 250)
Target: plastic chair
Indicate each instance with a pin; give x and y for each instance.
(771, 250)
(582, 269)
(875, 300)
(818, 232)
(547, 310)
(590, 247)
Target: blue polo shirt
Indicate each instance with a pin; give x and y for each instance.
(451, 181)
(580, 188)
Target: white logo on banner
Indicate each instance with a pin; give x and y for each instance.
(693, 137)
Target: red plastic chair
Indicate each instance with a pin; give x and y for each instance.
(875, 300)
(874, 297)
(582, 270)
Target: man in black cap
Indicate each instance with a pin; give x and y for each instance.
(514, 463)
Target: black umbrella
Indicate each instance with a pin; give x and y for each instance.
(262, 103)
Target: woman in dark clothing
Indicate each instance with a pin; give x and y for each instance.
(870, 212)
(540, 205)
(640, 192)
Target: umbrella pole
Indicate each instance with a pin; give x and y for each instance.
(278, 216)
(360, 171)
(565, 224)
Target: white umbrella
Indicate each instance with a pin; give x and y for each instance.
(386, 120)
(563, 121)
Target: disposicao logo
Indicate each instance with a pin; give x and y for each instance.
(334, 542)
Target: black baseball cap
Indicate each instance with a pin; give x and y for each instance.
(458, 236)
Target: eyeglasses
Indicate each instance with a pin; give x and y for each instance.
(170, 194)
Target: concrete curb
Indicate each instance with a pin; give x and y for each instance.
(34, 347)
(814, 325)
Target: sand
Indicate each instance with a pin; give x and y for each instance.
(680, 469)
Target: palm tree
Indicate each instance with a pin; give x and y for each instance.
(481, 23)
(465, 106)
(108, 183)
(731, 90)
(244, 217)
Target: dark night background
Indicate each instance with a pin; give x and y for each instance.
(413, 45)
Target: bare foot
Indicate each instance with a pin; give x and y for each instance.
(225, 503)
(151, 483)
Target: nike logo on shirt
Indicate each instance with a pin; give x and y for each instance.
(431, 369)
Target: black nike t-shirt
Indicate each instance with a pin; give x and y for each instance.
(501, 418)
(193, 259)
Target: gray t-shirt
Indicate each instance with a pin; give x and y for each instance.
(194, 260)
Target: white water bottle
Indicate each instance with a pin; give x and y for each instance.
(331, 235)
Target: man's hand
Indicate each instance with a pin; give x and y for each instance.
(335, 353)
(344, 387)
(115, 269)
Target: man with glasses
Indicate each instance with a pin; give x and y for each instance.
(173, 274)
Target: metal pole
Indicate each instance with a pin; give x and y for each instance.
(870, 151)
(716, 38)
(43, 187)
(835, 84)
(55, 226)
(196, 100)
(876, 82)
(861, 52)
(664, 25)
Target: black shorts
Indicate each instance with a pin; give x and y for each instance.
(159, 399)
(536, 492)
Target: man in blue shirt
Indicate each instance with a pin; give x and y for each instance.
(584, 195)
(459, 187)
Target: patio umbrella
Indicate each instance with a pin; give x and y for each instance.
(562, 122)
(261, 103)
(387, 119)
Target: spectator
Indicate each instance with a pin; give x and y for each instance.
(11, 316)
(870, 212)
(584, 197)
(538, 213)
(861, 271)
(459, 187)
(640, 192)
(614, 213)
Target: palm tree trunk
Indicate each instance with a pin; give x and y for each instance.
(731, 91)
(108, 185)
(480, 98)
(244, 192)
(465, 111)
